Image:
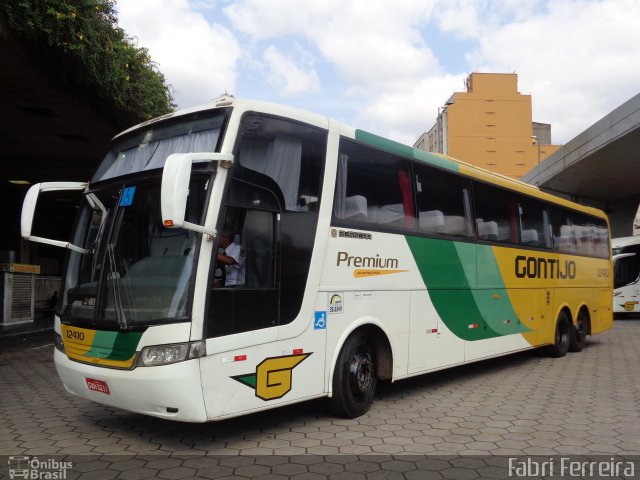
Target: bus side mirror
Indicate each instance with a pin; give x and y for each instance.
(175, 188)
(29, 209)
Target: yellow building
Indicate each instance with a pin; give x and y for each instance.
(490, 126)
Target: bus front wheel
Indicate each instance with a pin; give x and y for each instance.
(562, 337)
(355, 378)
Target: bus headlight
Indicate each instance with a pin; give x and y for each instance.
(58, 342)
(155, 355)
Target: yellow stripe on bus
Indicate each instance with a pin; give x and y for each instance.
(77, 340)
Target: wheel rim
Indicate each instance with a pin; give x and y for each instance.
(361, 375)
(562, 334)
(581, 329)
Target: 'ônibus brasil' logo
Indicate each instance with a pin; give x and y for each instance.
(272, 378)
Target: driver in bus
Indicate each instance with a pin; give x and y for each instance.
(231, 258)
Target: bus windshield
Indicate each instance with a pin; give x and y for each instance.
(626, 269)
(134, 271)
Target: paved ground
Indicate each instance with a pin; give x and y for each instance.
(459, 424)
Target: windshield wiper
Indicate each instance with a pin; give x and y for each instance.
(117, 301)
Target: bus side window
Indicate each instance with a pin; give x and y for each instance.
(495, 211)
(534, 223)
(585, 235)
(443, 202)
(601, 239)
(564, 239)
(578, 233)
(373, 189)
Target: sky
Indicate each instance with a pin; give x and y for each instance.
(386, 66)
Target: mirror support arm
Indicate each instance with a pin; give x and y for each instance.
(58, 243)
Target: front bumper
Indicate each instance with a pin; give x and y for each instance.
(171, 391)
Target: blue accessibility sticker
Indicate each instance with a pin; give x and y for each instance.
(126, 199)
(320, 320)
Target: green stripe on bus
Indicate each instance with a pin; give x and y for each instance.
(492, 298)
(125, 345)
(441, 267)
(435, 160)
(114, 345)
(102, 344)
(405, 150)
(449, 270)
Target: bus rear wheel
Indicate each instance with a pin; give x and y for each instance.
(562, 337)
(579, 332)
(355, 378)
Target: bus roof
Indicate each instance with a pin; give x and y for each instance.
(435, 159)
(450, 163)
(625, 241)
(245, 105)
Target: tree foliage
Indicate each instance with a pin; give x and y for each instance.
(80, 43)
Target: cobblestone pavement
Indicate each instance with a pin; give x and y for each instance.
(462, 423)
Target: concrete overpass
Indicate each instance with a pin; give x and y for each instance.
(48, 133)
(56, 125)
(58, 118)
(600, 167)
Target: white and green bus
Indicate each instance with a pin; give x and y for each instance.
(240, 256)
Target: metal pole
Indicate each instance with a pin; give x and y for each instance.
(535, 139)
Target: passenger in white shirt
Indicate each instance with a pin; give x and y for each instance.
(231, 259)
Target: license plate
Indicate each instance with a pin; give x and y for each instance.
(97, 386)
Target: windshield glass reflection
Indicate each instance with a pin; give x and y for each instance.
(135, 271)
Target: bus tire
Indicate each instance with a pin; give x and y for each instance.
(355, 378)
(579, 332)
(562, 337)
